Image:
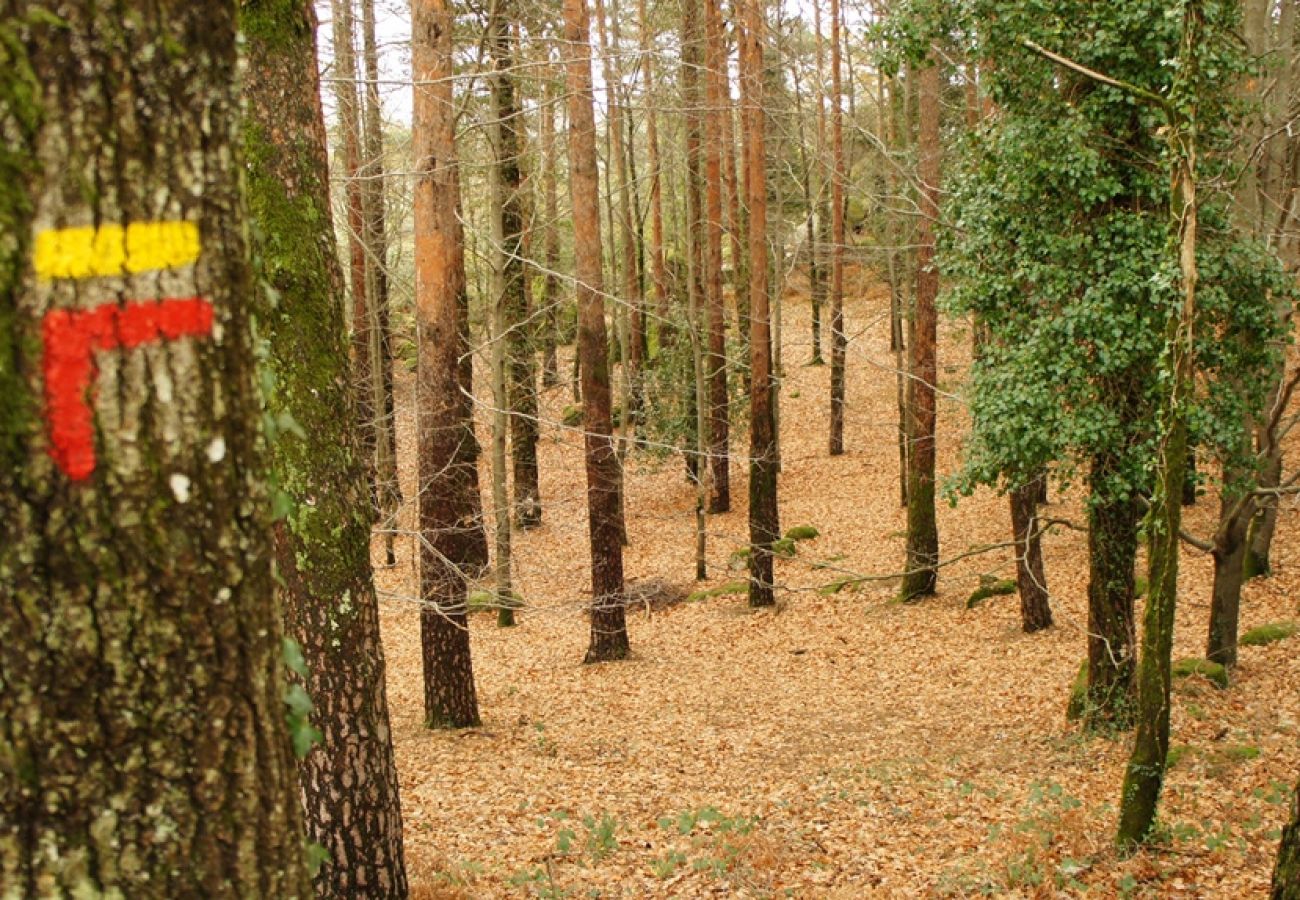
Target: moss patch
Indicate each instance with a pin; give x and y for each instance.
(572, 416)
(1078, 694)
(1212, 671)
(731, 588)
(803, 533)
(990, 587)
(1268, 634)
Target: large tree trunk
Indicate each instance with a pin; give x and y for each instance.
(1112, 551)
(1286, 876)
(838, 341)
(521, 374)
(764, 524)
(345, 95)
(608, 624)
(1031, 578)
(349, 781)
(452, 536)
(922, 530)
(145, 751)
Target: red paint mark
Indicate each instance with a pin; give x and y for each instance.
(71, 338)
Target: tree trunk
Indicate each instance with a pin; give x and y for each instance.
(922, 531)
(345, 94)
(1286, 876)
(521, 375)
(349, 781)
(1229, 553)
(608, 625)
(550, 300)
(1031, 578)
(838, 341)
(453, 541)
(1264, 525)
(764, 525)
(658, 271)
(1145, 775)
(388, 490)
(1112, 551)
(142, 717)
(716, 357)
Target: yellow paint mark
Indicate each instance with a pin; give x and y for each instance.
(114, 250)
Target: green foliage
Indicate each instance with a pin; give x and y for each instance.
(1268, 634)
(1060, 244)
(1078, 705)
(1211, 671)
(715, 842)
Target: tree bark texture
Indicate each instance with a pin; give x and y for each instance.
(143, 743)
(922, 529)
(1286, 875)
(608, 625)
(764, 522)
(1230, 547)
(1112, 552)
(1031, 577)
(349, 780)
(452, 546)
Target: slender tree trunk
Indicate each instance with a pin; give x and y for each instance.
(732, 187)
(890, 98)
(550, 300)
(922, 530)
(659, 276)
(764, 524)
(608, 626)
(1264, 525)
(142, 716)
(515, 329)
(1145, 774)
(345, 94)
(388, 490)
(1286, 876)
(451, 526)
(838, 341)
(1031, 577)
(716, 358)
(349, 781)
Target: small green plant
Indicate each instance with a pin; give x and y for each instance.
(601, 837)
(670, 863)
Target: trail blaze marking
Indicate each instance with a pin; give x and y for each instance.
(73, 336)
(114, 250)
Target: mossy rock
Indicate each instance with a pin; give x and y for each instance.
(782, 548)
(572, 416)
(730, 589)
(486, 601)
(803, 533)
(1268, 634)
(1078, 704)
(990, 587)
(1211, 671)
(785, 548)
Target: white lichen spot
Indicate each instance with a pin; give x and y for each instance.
(223, 595)
(217, 449)
(180, 485)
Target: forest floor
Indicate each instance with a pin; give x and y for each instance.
(839, 745)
